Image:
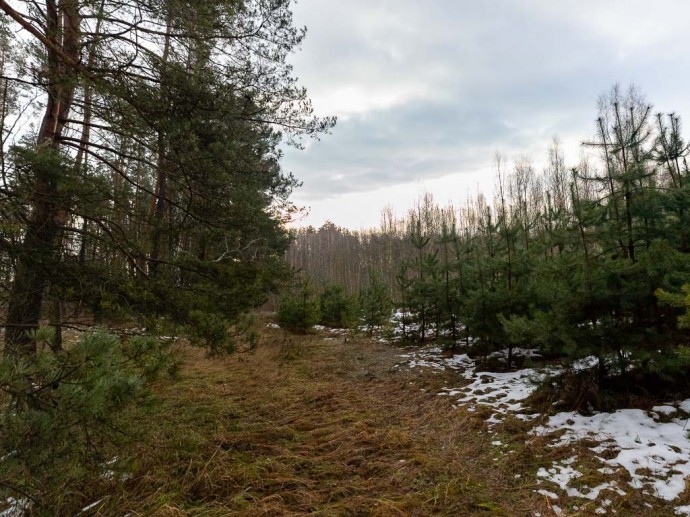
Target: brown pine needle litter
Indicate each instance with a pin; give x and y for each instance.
(313, 426)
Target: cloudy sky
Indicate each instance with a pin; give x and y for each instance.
(426, 93)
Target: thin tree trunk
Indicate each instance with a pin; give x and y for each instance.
(159, 202)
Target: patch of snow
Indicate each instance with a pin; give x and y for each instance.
(459, 361)
(569, 461)
(683, 510)
(548, 494)
(494, 419)
(612, 361)
(526, 417)
(517, 352)
(560, 475)
(665, 410)
(435, 358)
(656, 455)
(604, 508)
(502, 391)
(16, 508)
(584, 364)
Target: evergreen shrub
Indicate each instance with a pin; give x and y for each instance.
(299, 310)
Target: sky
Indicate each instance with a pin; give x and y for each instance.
(426, 93)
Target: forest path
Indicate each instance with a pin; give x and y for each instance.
(314, 425)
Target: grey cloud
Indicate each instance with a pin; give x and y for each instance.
(400, 145)
(476, 77)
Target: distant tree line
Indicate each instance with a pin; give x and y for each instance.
(578, 261)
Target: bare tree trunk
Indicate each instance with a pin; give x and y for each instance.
(41, 240)
(158, 208)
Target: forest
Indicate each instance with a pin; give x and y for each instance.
(576, 261)
(174, 344)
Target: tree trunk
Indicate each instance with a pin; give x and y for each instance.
(158, 204)
(42, 237)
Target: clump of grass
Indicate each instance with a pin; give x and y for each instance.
(291, 347)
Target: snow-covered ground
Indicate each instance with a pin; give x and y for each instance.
(15, 507)
(655, 454)
(650, 448)
(432, 357)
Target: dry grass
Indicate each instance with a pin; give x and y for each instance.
(308, 426)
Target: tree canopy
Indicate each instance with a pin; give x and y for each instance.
(141, 156)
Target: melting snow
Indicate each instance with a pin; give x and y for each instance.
(17, 507)
(548, 494)
(503, 391)
(562, 474)
(655, 454)
(585, 364)
(432, 357)
(665, 410)
(516, 352)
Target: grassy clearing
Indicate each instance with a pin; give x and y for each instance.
(315, 426)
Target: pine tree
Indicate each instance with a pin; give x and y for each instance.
(374, 303)
(299, 308)
(337, 308)
(152, 186)
(61, 413)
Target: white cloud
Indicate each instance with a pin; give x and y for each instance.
(429, 91)
(629, 26)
